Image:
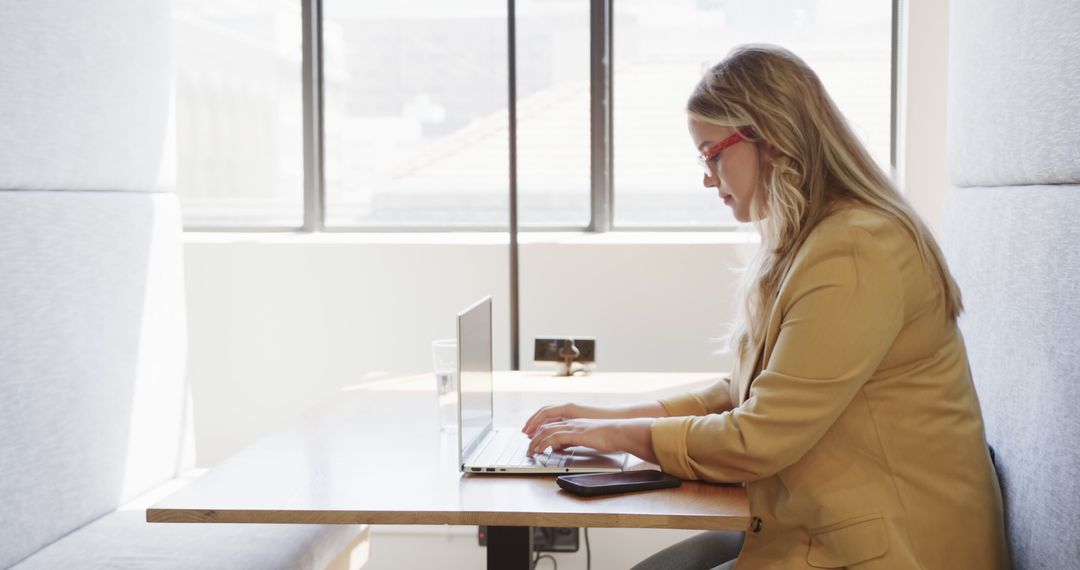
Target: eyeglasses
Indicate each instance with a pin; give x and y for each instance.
(708, 158)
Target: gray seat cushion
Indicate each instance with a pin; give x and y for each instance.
(1013, 252)
(1014, 114)
(1010, 235)
(86, 94)
(92, 349)
(124, 539)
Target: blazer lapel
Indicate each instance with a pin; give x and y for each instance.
(753, 361)
(749, 363)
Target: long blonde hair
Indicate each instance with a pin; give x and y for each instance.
(815, 164)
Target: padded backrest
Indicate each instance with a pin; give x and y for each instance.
(92, 339)
(1010, 233)
(85, 94)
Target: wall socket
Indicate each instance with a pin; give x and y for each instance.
(547, 349)
(546, 538)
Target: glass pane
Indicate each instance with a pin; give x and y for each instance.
(553, 113)
(415, 113)
(238, 122)
(661, 51)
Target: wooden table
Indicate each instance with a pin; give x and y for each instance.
(375, 456)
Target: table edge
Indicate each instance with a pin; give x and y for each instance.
(591, 520)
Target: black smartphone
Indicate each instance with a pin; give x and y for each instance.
(590, 484)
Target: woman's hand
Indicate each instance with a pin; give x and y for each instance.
(548, 414)
(561, 412)
(633, 436)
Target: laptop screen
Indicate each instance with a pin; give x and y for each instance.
(474, 371)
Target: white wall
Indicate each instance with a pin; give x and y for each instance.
(278, 323)
(922, 168)
(393, 548)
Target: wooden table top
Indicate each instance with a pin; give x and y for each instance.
(375, 456)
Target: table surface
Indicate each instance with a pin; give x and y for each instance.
(375, 455)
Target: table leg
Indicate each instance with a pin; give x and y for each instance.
(509, 547)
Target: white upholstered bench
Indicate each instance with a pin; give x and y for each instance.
(94, 410)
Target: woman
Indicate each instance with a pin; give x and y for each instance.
(850, 415)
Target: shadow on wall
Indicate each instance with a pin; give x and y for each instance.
(91, 356)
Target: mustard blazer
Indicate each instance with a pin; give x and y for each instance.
(855, 424)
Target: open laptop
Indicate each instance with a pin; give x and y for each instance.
(481, 448)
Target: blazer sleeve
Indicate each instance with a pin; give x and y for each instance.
(842, 308)
(711, 399)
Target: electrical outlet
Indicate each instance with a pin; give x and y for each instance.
(550, 349)
(546, 538)
(555, 539)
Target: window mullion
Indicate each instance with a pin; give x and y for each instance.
(511, 42)
(600, 115)
(312, 85)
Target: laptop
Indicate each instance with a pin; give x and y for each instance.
(483, 449)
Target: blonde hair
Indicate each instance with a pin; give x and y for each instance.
(815, 164)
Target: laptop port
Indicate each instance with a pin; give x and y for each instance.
(490, 468)
(476, 469)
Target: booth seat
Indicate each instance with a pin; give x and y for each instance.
(95, 413)
(123, 539)
(1010, 234)
(96, 408)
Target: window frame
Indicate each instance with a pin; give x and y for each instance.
(602, 195)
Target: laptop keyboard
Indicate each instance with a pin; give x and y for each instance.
(507, 449)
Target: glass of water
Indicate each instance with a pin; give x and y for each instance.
(444, 360)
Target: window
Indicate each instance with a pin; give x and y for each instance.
(416, 126)
(553, 169)
(415, 103)
(412, 129)
(237, 127)
(662, 49)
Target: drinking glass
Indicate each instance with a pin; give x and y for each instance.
(444, 360)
